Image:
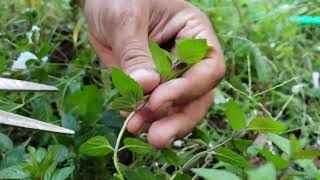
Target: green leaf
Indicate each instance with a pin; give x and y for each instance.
(50, 171)
(282, 143)
(70, 122)
(236, 117)
(126, 86)
(124, 103)
(263, 66)
(13, 172)
(5, 143)
(309, 168)
(267, 125)
(141, 173)
(87, 103)
(138, 146)
(214, 174)
(228, 156)
(264, 172)
(96, 146)
(171, 157)
(161, 59)
(305, 154)
(63, 173)
(182, 177)
(191, 51)
(278, 161)
(242, 144)
(295, 145)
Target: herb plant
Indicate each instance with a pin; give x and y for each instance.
(263, 123)
(130, 98)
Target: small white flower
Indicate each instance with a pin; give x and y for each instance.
(315, 80)
(155, 164)
(44, 59)
(219, 97)
(178, 143)
(297, 88)
(272, 45)
(285, 7)
(34, 30)
(20, 63)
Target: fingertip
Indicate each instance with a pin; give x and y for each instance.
(160, 136)
(136, 124)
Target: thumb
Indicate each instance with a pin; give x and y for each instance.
(135, 59)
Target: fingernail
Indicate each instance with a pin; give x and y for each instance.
(141, 74)
(147, 78)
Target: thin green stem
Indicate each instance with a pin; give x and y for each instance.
(116, 148)
(123, 129)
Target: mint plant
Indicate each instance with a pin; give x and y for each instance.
(130, 96)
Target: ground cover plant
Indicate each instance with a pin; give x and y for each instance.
(263, 123)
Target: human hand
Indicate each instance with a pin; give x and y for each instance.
(120, 31)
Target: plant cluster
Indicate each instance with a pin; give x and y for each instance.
(263, 124)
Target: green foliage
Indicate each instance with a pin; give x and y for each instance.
(161, 59)
(5, 143)
(142, 173)
(126, 86)
(191, 51)
(265, 172)
(87, 103)
(130, 91)
(138, 146)
(212, 174)
(96, 146)
(13, 172)
(236, 117)
(171, 157)
(282, 143)
(228, 156)
(267, 125)
(278, 161)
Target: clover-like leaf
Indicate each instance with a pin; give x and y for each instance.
(191, 51)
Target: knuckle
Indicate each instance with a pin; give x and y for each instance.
(134, 55)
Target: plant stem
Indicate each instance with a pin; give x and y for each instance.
(116, 148)
(123, 129)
